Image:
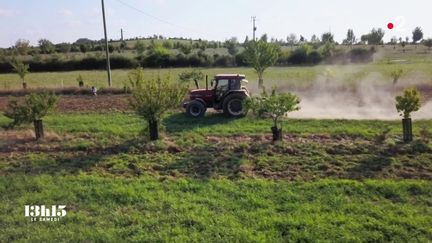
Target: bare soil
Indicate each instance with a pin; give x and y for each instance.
(85, 103)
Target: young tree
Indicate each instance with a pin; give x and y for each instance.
(417, 34)
(46, 46)
(21, 69)
(187, 76)
(22, 46)
(274, 106)
(261, 55)
(396, 74)
(151, 98)
(32, 109)
(408, 102)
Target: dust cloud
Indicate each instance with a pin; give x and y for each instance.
(373, 97)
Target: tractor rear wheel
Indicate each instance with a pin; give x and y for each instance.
(233, 105)
(195, 109)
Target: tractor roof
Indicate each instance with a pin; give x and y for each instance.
(230, 76)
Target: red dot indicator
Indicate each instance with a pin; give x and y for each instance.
(390, 26)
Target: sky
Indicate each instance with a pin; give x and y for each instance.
(67, 20)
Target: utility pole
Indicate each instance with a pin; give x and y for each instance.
(106, 46)
(254, 27)
(121, 31)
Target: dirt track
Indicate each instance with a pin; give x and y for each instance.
(85, 103)
(323, 102)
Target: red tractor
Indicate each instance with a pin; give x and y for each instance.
(226, 93)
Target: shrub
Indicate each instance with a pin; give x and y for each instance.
(360, 55)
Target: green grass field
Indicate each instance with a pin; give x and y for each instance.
(415, 62)
(216, 180)
(275, 76)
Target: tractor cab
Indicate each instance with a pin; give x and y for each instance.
(225, 93)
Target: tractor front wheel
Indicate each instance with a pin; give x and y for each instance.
(233, 105)
(195, 109)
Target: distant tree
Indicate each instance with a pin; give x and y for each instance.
(231, 45)
(327, 49)
(83, 48)
(32, 109)
(111, 48)
(393, 41)
(261, 55)
(407, 39)
(186, 48)
(123, 45)
(327, 37)
(46, 46)
(63, 47)
(22, 46)
(314, 39)
(140, 47)
(157, 55)
(350, 39)
(264, 38)
(275, 106)
(417, 35)
(302, 39)
(428, 43)
(21, 69)
(403, 44)
(364, 39)
(152, 98)
(291, 39)
(375, 36)
(246, 40)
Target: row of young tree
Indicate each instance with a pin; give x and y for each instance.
(151, 99)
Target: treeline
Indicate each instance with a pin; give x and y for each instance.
(159, 57)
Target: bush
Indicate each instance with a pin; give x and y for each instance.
(360, 55)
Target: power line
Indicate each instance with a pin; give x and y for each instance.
(156, 18)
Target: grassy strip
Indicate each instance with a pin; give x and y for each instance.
(114, 209)
(128, 124)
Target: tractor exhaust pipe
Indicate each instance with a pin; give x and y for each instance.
(196, 83)
(206, 82)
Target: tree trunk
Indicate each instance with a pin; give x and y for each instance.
(277, 133)
(24, 85)
(407, 130)
(153, 130)
(39, 131)
(260, 81)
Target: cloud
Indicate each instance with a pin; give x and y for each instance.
(7, 12)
